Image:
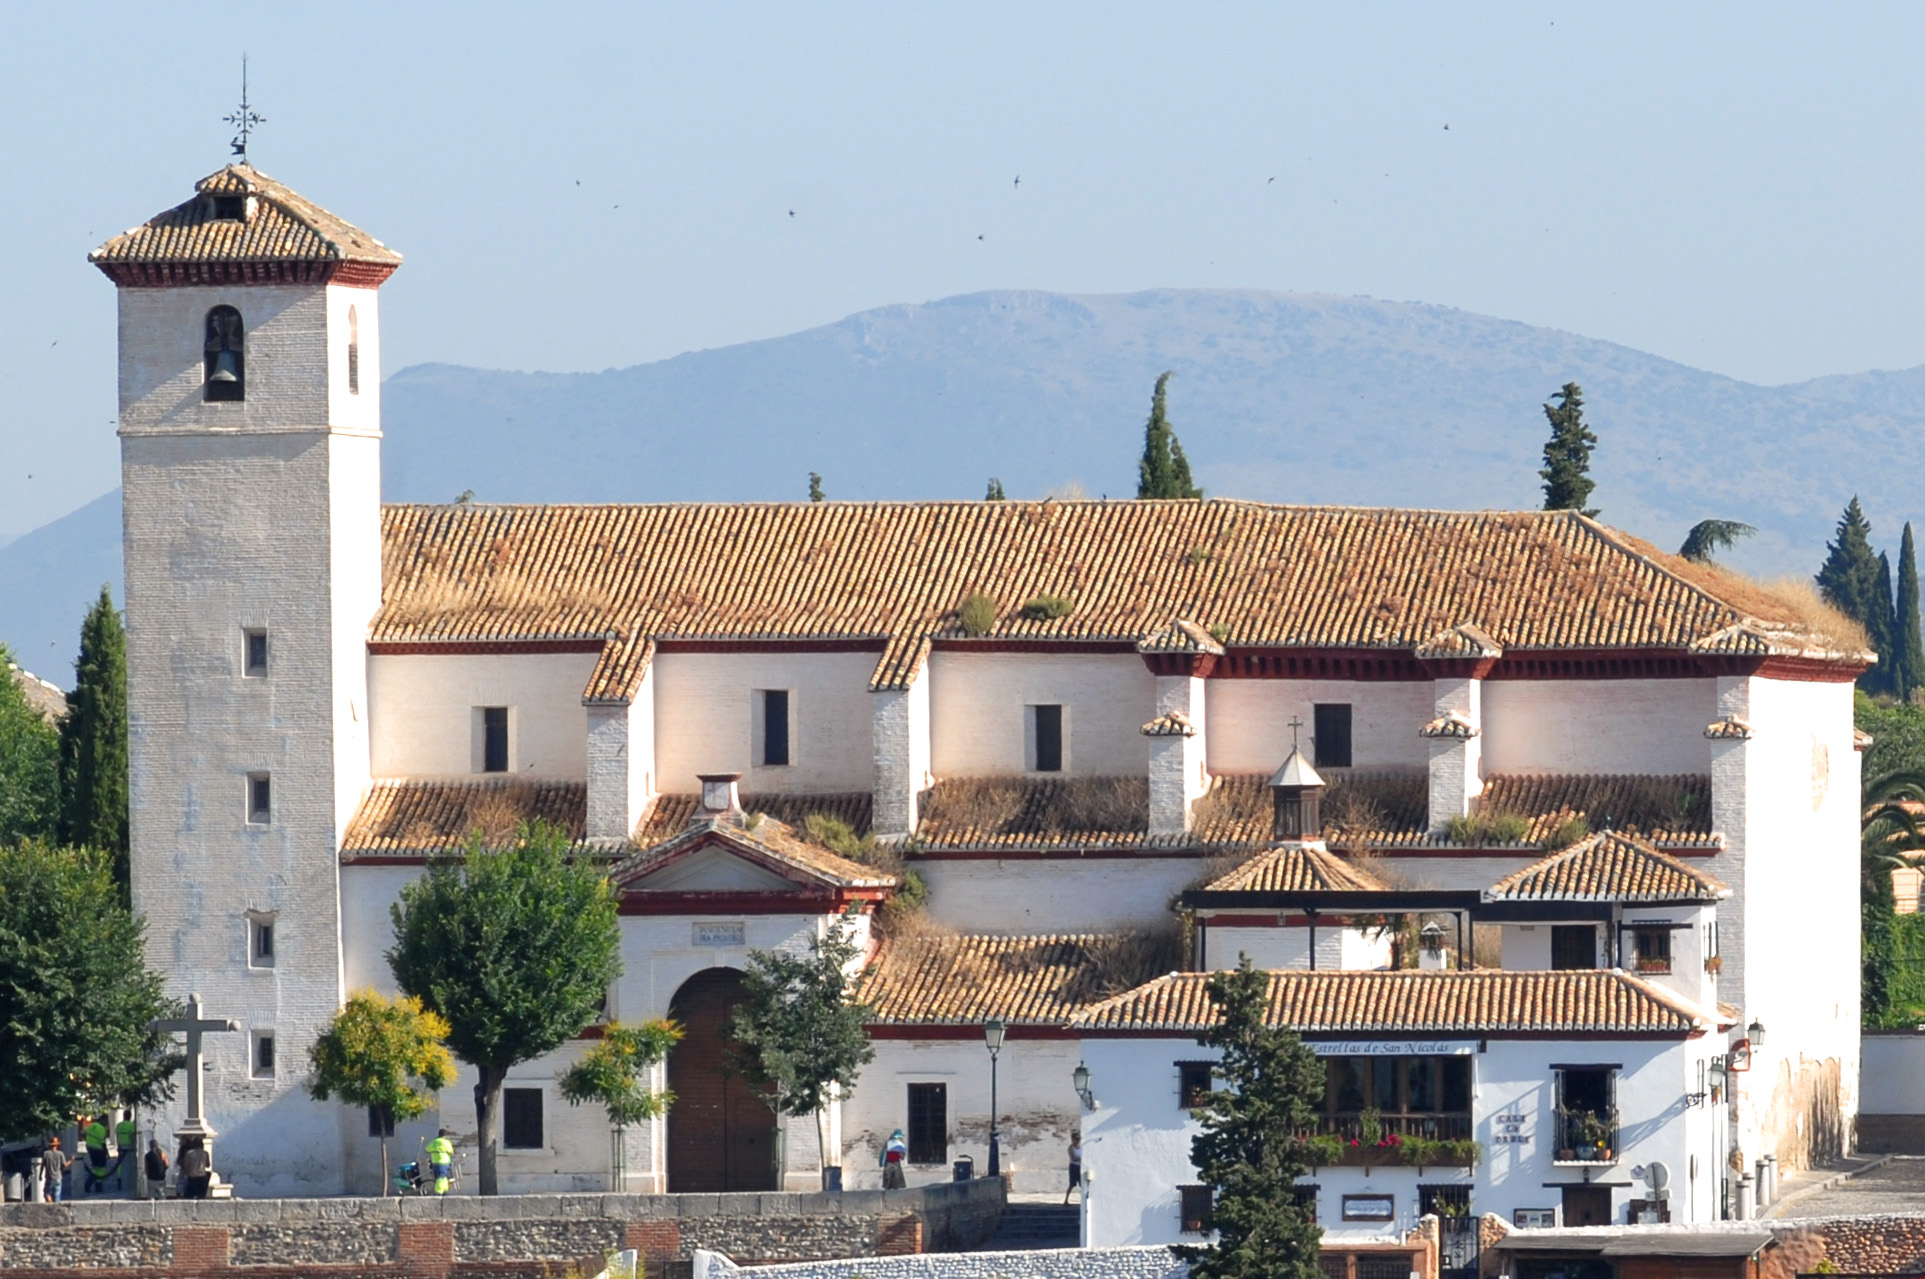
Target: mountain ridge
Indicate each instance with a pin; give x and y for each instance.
(1312, 398)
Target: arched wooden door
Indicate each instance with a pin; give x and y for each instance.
(720, 1135)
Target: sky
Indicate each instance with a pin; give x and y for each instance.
(583, 186)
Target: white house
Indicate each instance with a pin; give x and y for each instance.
(1062, 716)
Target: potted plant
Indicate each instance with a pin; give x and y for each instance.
(1714, 964)
(1464, 1152)
(1422, 1152)
(1323, 1150)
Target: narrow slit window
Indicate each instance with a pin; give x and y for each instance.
(255, 659)
(263, 1054)
(260, 799)
(224, 355)
(260, 942)
(1046, 736)
(1332, 734)
(775, 727)
(494, 739)
(354, 353)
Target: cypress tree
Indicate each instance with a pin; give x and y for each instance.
(1849, 581)
(1908, 652)
(93, 741)
(1567, 454)
(1883, 625)
(1164, 471)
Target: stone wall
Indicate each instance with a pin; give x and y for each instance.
(1055, 1263)
(500, 1238)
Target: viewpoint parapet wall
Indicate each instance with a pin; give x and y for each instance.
(502, 1237)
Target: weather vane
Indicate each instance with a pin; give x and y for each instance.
(244, 117)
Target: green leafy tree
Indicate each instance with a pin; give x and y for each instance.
(1708, 537)
(516, 948)
(1164, 471)
(1252, 1146)
(29, 763)
(995, 492)
(385, 1055)
(1891, 834)
(614, 1074)
(1908, 651)
(799, 1036)
(1850, 580)
(79, 1003)
(1567, 454)
(815, 487)
(93, 741)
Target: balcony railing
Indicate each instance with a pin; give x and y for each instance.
(1417, 1141)
(1587, 1136)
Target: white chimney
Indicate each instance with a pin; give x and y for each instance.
(720, 794)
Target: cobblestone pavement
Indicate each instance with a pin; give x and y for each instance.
(1898, 1186)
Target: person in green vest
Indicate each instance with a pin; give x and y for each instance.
(94, 1137)
(441, 1161)
(125, 1135)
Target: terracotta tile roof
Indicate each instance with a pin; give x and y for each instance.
(769, 842)
(1297, 870)
(895, 573)
(670, 813)
(1477, 1002)
(938, 980)
(284, 228)
(417, 818)
(1667, 811)
(1608, 867)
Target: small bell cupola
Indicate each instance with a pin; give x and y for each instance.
(1297, 790)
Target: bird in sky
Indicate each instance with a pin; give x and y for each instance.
(1272, 179)
(979, 237)
(1447, 128)
(791, 212)
(1019, 179)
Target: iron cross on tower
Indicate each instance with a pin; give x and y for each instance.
(244, 117)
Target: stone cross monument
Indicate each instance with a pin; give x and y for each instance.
(193, 1025)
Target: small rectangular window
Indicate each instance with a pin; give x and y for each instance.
(1046, 739)
(380, 1121)
(260, 942)
(494, 739)
(1195, 1203)
(263, 1054)
(775, 727)
(1331, 730)
(230, 208)
(260, 799)
(521, 1118)
(1573, 946)
(256, 658)
(1654, 950)
(1192, 1084)
(928, 1123)
(1305, 1198)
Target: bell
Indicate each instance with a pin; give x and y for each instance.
(227, 367)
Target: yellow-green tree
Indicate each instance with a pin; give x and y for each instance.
(387, 1055)
(614, 1074)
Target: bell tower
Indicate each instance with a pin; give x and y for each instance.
(250, 429)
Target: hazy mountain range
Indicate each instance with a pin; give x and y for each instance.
(1283, 397)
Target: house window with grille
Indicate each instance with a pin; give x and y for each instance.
(1653, 949)
(1193, 1084)
(1332, 734)
(928, 1123)
(1305, 1197)
(1573, 946)
(1194, 1204)
(521, 1118)
(263, 1054)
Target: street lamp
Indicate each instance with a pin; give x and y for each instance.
(1081, 1077)
(1755, 1032)
(993, 1031)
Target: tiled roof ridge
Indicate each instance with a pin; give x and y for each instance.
(1538, 881)
(314, 236)
(768, 837)
(1338, 874)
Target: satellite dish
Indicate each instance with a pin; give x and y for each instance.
(1657, 1175)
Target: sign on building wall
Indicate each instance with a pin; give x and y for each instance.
(1395, 1048)
(721, 934)
(1511, 1129)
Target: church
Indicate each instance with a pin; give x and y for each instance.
(1538, 829)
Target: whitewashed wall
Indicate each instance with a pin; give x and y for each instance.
(1892, 1073)
(1056, 894)
(704, 719)
(1036, 1104)
(1653, 726)
(977, 700)
(426, 718)
(1289, 947)
(1250, 721)
(1136, 1148)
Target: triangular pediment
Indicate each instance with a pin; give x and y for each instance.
(713, 869)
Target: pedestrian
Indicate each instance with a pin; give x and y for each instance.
(441, 1161)
(1075, 1165)
(196, 1169)
(895, 1153)
(53, 1163)
(94, 1138)
(125, 1138)
(156, 1169)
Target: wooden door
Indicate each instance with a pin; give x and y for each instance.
(1587, 1206)
(720, 1135)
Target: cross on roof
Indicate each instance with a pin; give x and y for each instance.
(1295, 724)
(243, 117)
(193, 1025)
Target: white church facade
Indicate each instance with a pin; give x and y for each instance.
(1065, 718)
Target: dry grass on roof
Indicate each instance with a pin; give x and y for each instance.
(1787, 601)
(1665, 810)
(420, 817)
(961, 810)
(1360, 809)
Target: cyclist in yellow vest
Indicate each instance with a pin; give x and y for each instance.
(441, 1161)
